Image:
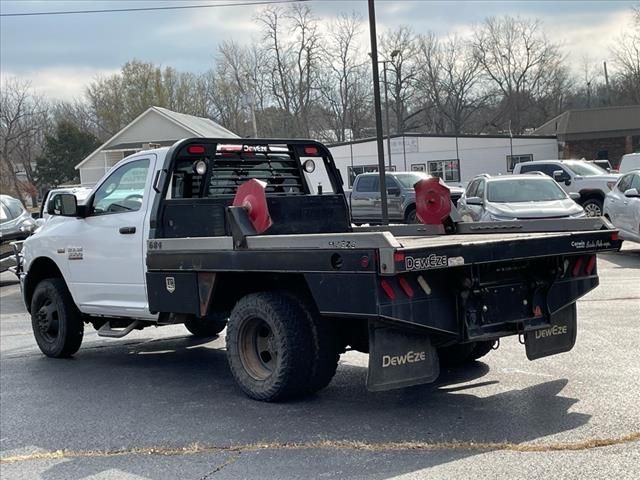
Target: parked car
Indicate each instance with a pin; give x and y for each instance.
(576, 176)
(622, 206)
(364, 198)
(15, 224)
(630, 161)
(516, 197)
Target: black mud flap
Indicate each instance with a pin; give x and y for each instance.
(399, 358)
(557, 338)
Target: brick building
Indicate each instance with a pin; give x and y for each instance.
(596, 133)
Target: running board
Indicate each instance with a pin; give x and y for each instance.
(107, 331)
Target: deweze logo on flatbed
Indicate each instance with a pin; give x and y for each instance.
(432, 261)
(552, 331)
(398, 360)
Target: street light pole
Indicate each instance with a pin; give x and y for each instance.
(386, 108)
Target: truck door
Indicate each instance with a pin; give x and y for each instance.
(365, 198)
(106, 251)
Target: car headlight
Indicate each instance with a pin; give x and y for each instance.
(580, 214)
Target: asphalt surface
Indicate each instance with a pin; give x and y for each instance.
(158, 404)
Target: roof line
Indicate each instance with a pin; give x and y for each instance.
(175, 120)
(438, 135)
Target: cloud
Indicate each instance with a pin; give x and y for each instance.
(58, 83)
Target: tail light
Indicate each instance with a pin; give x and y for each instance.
(388, 290)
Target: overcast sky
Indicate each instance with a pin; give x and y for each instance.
(60, 54)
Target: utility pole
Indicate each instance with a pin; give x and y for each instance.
(378, 112)
(606, 82)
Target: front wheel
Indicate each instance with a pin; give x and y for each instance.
(56, 321)
(593, 207)
(270, 347)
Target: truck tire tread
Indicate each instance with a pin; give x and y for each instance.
(70, 325)
(294, 337)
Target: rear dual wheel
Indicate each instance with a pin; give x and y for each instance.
(277, 349)
(464, 353)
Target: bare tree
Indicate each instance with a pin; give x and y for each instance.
(293, 54)
(343, 78)
(400, 48)
(451, 79)
(520, 61)
(23, 119)
(626, 54)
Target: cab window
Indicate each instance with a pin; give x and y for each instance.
(123, 190)
(472, 189)
(368, 184)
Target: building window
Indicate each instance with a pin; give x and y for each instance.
(512, 160)
(448, 170)
(357, 170)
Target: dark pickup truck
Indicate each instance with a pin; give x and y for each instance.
(255, 236)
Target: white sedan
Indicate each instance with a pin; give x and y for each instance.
(622, 206)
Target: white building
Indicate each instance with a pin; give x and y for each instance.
(455, 159)
(155, 127)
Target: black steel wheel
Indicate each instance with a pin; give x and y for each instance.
(481, 349)
(270, 346)
(464, 353)
(204, 327)
(55, 319)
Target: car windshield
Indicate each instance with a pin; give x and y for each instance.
(408, 180)
(524, 190)
(585, 169)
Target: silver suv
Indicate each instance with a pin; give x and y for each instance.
(516, 197)
(591, 182)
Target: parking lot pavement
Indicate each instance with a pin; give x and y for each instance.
(160, 404)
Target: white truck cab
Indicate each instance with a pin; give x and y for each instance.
(102, 255)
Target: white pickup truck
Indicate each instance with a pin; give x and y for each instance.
(576, 176)
(255, 235)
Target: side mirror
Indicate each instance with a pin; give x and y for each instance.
(39, 222)
(64, 205)
(474, 201)
(393, 191)
(561, 176)
(575, 196)
(632, 193)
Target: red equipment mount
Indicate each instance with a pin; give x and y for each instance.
(433, 203)
(249, 213)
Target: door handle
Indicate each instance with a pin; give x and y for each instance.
(127, 230)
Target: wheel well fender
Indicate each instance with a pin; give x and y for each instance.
(589, 194)
(40, 268)
(409, 208)
(231, 287)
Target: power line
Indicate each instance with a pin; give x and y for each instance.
(148, 9)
